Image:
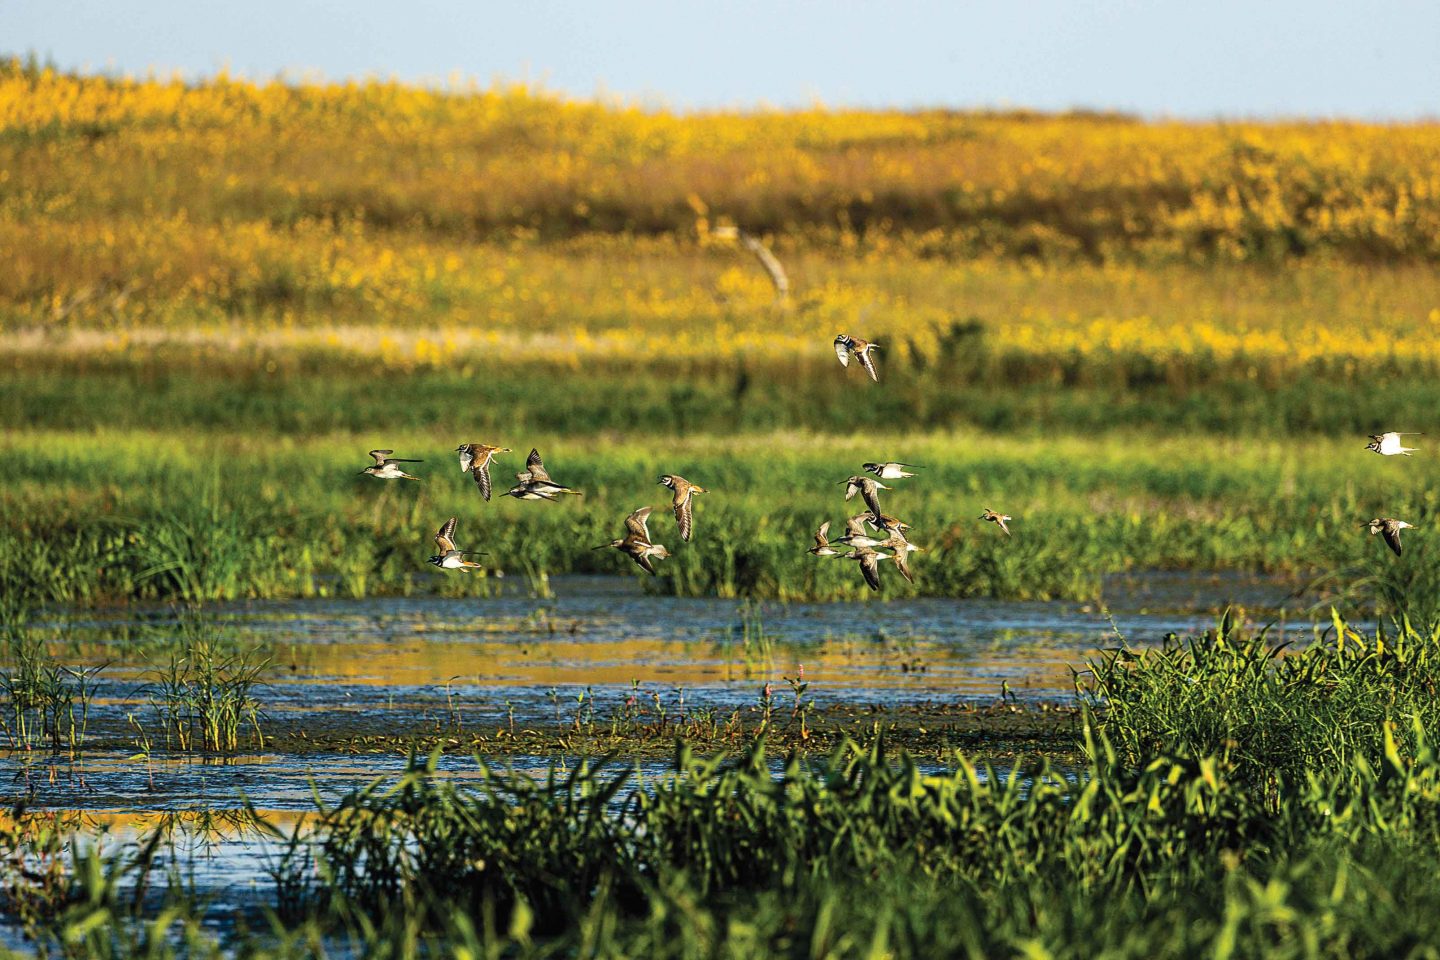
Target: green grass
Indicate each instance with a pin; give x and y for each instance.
(123, 515)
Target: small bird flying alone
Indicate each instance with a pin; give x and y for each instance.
(449, 557)
(682, 504)
(997, 518)
(1388, 444)
(475, 460)
(386, 468)
(847, 346)
(636, 542)
(1389, 528)
(892, 470)
(534, 483)
(868, 489)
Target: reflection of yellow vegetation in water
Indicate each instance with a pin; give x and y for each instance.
(298, 213)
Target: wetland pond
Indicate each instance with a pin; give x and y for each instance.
(347, 688)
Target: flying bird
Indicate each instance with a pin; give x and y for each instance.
(449, 557)
(822, 546)
(855, 535)
(386, 468)
(1388, 444)
(636, 542)
(1389, 528)
(534, 483)
(869, 562)
(997, 518)
(682, 504)
(868, 489)
(892, 470)
(475, 460)
(847, 346)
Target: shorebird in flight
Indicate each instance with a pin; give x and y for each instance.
(1389, 528)
(822, 546)
(534, 483)
(892, 470)
(997, 518)
(847, 346)
(1388, 444)
(684, 507)
(869, 562)
(887, 523)
(636, 542)
(902, 549)
(855, 535)
(386, 468)
(475, 460)
(868, 489)
(449, 557)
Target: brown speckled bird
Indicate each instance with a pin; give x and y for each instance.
(682, 504)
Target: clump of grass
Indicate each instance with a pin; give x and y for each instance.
(44, 701)
(203, 697)
(1274, 712)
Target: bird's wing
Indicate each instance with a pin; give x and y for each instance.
(822, 536)
(868, 363)
(636, 524)
(379, 456)
(1392, 537)
(842, 350)
(685, 515)
(481, 473)
(1001, 521)
(871, 493)
(902, 563)
(870, 567)
(445, 539)
(467, 457)
(535, 466)
(855, 526)
(851, 487)
(644, 561)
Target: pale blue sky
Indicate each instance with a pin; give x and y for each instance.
(1361, 58)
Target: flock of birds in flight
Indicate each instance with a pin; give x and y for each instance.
(867, 534)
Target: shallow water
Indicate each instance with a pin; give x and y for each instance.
(423, 665)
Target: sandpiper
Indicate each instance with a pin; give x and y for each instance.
(998, 518)
(475, 460)
(867, 488)
(449, 557)
(636, 542)
(1389, 528)
(533, 483)
(822, 546)
(887, 523)
(1388, 444)
(847, 346)
(684, 508)
(892, 470)
(869, 564)
(385, 466)
(902, 549)
(855, 535)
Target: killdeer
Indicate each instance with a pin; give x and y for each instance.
(867, 488)
(892, 470)
(533, 483)
(684, 494)
(385, 466)
(450, 558)
(998, 518)
(1388, 444)
(475, 460)
(869, 564)
(636, 542)
(847, 346)
(855, 535)
(1389, 528)
(822, 546)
